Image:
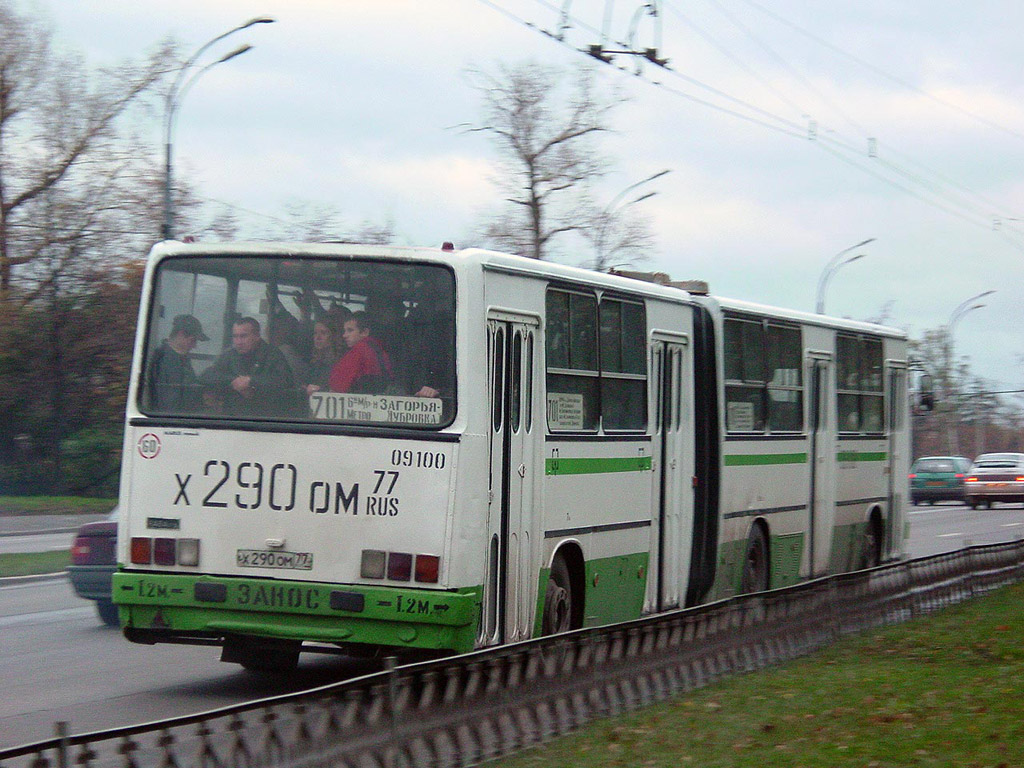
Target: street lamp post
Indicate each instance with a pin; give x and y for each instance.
(177, 91)
(967, 305)
(612, 208)
(832, 267)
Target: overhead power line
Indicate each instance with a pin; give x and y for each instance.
(882, 73)
(926, 185)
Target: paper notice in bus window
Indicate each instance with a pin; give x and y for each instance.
(565, 410)
(740, 416)
(375, 409)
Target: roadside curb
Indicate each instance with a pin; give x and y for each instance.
(8, 581)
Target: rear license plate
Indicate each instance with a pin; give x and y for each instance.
(259, 558)
(935, 482)
(995, 485)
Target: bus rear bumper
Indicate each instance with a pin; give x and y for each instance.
(185, 608)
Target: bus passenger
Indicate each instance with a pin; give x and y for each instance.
(322, 359)
(366, 367)
(282, 336)
(173, 385)
(431, 325)
(252, 377)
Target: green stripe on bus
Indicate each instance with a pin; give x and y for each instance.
(759, 459)
(861, 456)
(596, 466)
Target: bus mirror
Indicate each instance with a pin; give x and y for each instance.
(925, 394)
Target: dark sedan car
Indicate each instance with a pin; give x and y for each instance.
(938, 478)
(93, 561)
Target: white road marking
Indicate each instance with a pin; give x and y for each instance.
(948, 535)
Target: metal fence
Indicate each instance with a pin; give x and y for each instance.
(468, 709)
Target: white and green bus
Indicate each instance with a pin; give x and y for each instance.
(539, 448)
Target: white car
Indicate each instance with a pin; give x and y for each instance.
(995, 477)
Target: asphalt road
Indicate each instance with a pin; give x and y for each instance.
(949, 526)
(57, 662)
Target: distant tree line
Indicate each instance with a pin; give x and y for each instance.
(971, 415)
(81, 203)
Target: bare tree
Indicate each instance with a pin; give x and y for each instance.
(78, 201)
(970, 415)
(311, 222)
(619, 237)
(60, 150)
(545, 126)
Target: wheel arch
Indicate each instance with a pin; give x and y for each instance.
(759, 524)
(571, 554)
(874, 525)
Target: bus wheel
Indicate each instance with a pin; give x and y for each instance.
(755, 564)
(872, 542)
(557, 600)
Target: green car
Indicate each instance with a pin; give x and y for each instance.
(938, 478)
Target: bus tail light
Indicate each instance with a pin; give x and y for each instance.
(142, 550)
(163, 551)
(188, 552)
(400, 566)
(428, 568)
(372, 566)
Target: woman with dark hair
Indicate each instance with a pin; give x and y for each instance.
(322, 358)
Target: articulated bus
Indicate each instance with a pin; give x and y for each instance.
(534, 448)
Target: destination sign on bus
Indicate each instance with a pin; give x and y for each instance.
(378, 409)
(565, 410)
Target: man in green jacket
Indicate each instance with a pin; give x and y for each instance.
(252, 378)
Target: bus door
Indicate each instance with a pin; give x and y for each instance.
(897, 425)
(822, 460)
(510, 570)
(673, 452)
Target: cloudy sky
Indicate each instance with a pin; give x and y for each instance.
(793, 129)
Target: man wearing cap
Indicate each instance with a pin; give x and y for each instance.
(173, 386)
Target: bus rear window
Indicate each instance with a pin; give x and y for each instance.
(308, 340)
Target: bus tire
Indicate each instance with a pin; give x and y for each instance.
(871, 545)
(558, 605)
(755, 562)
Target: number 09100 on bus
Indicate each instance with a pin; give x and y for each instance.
(347, 448)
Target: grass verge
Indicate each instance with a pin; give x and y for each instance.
(30, 563)
(54, 505)
(944, 690)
